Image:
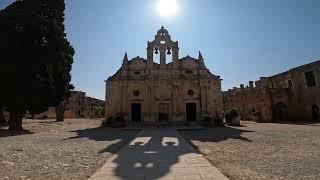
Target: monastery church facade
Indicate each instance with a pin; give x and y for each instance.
(143, 91)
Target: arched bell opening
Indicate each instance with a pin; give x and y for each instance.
(169, 56)
(156, 55)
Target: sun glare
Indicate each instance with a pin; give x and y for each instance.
(167, 8)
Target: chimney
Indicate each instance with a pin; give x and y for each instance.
(251, 84)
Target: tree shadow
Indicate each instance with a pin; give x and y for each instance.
(9, 133)
(49, 121)
(150, 155)
(121, 137)
(216, 134)
(154, 152)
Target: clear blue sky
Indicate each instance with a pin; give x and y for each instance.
(240, 40)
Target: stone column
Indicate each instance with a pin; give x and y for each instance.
(149, 57)
(203, 89)
(181, 105)
(162, 58)
(175, 57)
(152, 102)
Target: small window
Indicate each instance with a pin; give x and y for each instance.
(136, 93)
(289, 83)
(137, 72)
(310, 79)
(190, 92)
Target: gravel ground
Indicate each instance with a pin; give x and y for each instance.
(262, 151)
(73, 149)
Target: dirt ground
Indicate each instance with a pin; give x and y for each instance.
(73, 149)
(262, 151)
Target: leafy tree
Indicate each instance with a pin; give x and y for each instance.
(97, 110)
(36, 58)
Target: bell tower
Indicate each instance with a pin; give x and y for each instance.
(164, 45)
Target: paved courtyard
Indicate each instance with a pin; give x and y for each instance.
(70, 150)
(262, 151)
(80, 149)
(158, 154)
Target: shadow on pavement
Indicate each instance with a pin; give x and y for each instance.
(216, 134)
(8, 133)
(157, 153)
(121, 137)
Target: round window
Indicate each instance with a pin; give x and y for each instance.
(136, 93)
(190, 92)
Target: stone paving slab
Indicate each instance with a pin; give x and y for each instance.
(158, 154)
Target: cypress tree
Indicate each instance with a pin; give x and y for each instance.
(36, 58)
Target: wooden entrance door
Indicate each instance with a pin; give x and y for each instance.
(191, 111)
(136, 112)
(163, 112)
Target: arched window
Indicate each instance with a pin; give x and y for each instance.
(280, 112)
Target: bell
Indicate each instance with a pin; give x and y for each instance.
(156, 50)
(169, 50)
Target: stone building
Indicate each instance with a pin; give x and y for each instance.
(77, 106)
(182, 90)
(92, 106)
(292, 95)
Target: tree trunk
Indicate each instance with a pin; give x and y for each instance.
(15, 121)
(2, 120)
(60, 112)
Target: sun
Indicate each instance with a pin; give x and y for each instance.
(167, 8)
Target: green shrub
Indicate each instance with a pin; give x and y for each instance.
(228, 118)
(218, 121)
(232, 115)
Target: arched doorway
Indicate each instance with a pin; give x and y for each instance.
(315, 112)
(280, 112)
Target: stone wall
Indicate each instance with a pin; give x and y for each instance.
(77, 106)
(284, 96)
